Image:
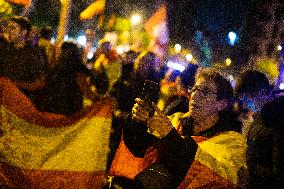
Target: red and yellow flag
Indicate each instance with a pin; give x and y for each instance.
(44, 150)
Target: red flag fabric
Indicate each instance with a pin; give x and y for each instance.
(44, 150)
(20, 2)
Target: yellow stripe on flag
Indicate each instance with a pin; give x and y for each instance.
(71, 153)
(93, 9)
(224, 154)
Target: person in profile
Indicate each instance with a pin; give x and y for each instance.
(197, 149)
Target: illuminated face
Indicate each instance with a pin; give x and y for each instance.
(14, 33)
(203, 100)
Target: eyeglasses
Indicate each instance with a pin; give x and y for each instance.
(204, 91)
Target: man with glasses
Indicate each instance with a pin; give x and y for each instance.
(213, 125)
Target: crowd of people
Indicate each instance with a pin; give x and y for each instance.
(204, 133)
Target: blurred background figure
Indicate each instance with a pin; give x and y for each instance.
(174, 89)
(20, 61)
(107, 58)
(252, 91)
(45, 43)
(33, 37)
(265, 151)
(69, 83)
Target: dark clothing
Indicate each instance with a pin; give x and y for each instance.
(265, 151)
(125, 90)
(24, 64)
(64, 95)
(174, 155)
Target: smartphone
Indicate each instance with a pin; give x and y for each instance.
(150, 93)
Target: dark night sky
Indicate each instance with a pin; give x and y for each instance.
(217, 17)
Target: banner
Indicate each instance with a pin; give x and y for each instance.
(45, 150)
(156, 27)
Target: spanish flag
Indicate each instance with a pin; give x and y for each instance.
(45, 150)
(97, 7)
(219, 161)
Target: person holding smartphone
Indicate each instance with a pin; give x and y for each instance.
(171, 157)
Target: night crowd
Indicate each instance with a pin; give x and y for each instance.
(205, 133)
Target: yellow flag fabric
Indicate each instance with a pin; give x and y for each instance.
(93, 9)
(43, 150)
(219, 162)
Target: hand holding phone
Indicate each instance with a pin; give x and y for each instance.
(150, 93)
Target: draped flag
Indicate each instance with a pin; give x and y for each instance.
(125, 163)
(95, 8)
(45, 150)
(219, 162)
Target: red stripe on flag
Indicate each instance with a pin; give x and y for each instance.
(20, 2)
(125, 163)
(36, 179)
(20, 105)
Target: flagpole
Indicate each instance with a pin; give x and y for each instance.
(62, 26)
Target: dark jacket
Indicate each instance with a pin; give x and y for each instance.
(174, 155)
(265, 153)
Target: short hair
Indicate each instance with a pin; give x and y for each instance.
(251, 83)
(224, 87)
(23, 22)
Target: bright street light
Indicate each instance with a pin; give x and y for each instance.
(279, 47)
(135, 19)
(228, 62)
(232, 38)
(281, 86)
(82, 40)
(188, 57)
(177, 48)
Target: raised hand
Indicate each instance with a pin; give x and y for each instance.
(159, 125)
(140, 112)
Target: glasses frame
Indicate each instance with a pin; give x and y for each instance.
(204, 92)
